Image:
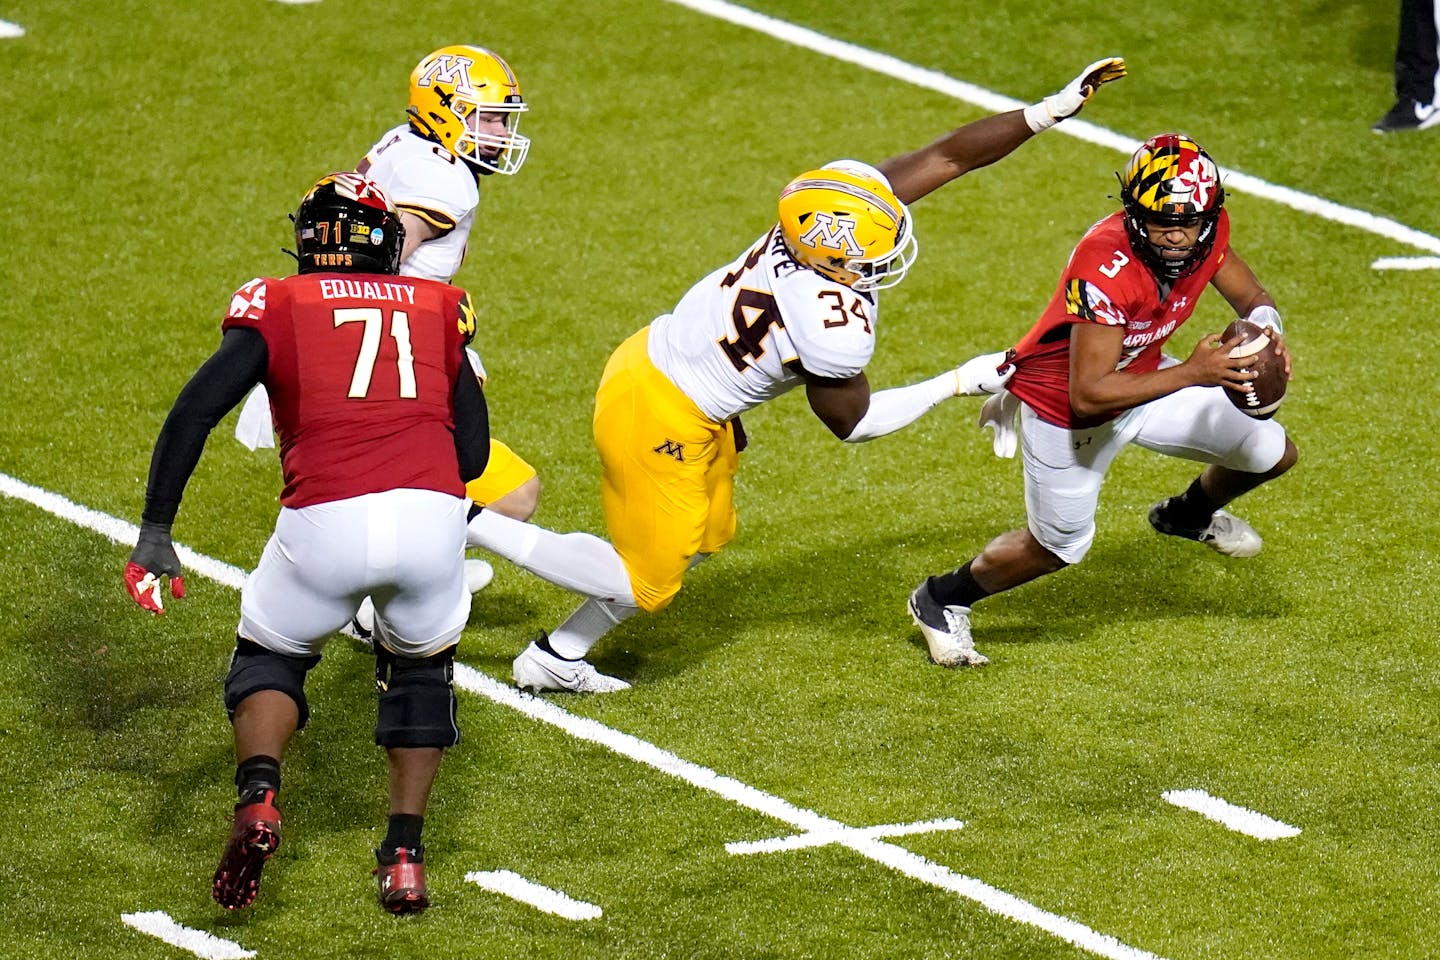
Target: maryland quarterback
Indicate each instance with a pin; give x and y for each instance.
(799, 307)
(1091, 379)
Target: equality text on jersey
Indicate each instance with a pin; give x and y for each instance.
(342, 289)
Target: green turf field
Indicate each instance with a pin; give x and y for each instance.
(153, 152)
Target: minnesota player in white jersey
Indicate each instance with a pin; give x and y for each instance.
(799, 307)
(463, 118)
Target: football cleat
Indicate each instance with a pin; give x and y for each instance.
(254, 838)
(402, 880)
(362, 626)
(1225, 533)
(946, 630)
(539, 672)
(478, 575)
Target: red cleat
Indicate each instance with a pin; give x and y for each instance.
(253, 839)
(402, 880)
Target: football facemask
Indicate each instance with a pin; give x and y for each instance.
(849, 226)
(452, 89)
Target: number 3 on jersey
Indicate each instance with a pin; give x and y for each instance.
(374, 318)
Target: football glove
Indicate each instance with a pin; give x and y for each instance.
(985, 374)
(1067, 103)
(153, 557)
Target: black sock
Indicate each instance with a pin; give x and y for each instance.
(1193, 508)
(956, 589)
(404, 831)
(255, 775)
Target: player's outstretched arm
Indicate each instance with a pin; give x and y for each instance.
(215, 389)
(913, 175)
(855, 415)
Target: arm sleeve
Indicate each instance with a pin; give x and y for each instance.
(472, 426)
(219, 384)
(901, 406)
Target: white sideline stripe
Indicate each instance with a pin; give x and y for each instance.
(1080, 129)
(1226, 814)
(158, 924)
(820, 838)
(1406, 263)
(528, 891)
(9, 31)
(583, 728)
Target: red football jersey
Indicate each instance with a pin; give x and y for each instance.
(1105, 282)
(361, 378)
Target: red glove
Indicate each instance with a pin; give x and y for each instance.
(153, 557)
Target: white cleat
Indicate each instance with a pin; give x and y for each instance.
(362, 626)
(539, 672)
(478, 575)
(1226, 533)
(946, 630)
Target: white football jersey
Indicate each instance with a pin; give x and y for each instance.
(727, 343)
(425, 179)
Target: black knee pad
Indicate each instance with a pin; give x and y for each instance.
(253, 668)
(417, 700)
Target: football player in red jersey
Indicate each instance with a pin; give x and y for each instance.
(1090, 378)
(381, 424)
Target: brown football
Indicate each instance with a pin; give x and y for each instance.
(1268, 387)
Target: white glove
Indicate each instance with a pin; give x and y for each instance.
(1067, 103)
(985, 374)
(1266, 316)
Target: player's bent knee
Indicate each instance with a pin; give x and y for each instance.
(417, 700)
(1266, 451)
(254, 668)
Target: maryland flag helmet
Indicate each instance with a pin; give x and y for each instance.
(453, 84)
(1171, 180)
(346, 223)
(843, 221)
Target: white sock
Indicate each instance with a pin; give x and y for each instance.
(576, 561)
(584, 628)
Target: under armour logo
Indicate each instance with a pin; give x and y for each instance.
(1179, 304)
(671, 449)
(834, 232)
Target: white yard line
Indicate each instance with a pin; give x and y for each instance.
(1227, 814)
(540, 897)
(1079, 129)
(583, 728)
(158, 924)
(1406, 263)
(822, 838)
